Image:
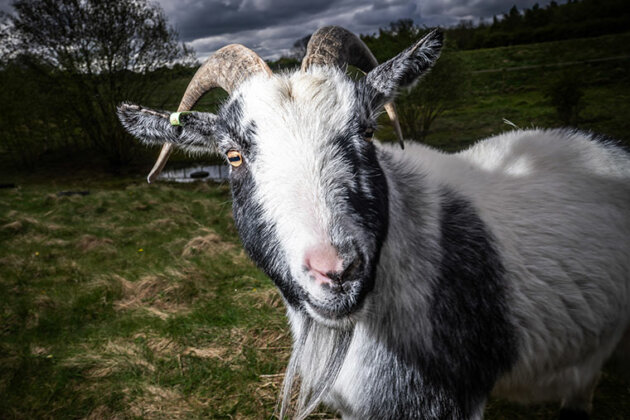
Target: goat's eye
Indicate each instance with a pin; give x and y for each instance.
(235, 158)
(369, 133)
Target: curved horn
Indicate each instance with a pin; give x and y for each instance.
(226, 68)
(336, 46)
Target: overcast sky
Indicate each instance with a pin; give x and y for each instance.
(270, 27)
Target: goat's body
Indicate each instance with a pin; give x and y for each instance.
(550, 254)
(417, 282)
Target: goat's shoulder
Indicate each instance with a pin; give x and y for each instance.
(547, 151)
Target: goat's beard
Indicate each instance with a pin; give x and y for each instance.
(319, 352)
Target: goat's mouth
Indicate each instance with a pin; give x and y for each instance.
(339, 297)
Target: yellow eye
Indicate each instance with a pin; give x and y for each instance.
(235, 158)
(369, 133)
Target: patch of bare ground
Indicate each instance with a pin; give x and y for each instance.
(56, 242)
(268, 339)
(91, 243)
(13, 261)
(206, 242)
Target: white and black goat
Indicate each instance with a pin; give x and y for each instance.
(417, 283)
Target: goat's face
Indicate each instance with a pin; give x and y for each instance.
(310, 198)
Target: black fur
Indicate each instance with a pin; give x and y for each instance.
(571, 414)
(360, 220)
(473, 341)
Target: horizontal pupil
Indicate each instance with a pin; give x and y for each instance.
(234, 158)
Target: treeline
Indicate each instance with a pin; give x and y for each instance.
(554, 22)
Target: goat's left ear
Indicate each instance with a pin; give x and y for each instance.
(192, 131)
(404, 69)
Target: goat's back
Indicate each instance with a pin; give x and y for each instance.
(558, 205)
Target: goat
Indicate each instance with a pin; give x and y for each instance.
(416, 282)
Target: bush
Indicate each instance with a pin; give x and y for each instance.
(566, 94)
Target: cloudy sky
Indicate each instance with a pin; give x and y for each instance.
(270, 27)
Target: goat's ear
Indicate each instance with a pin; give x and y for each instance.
(192, 131)
(404, 69)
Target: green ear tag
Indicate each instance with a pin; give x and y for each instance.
(174, 118)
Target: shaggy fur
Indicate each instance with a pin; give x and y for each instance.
(501, 269)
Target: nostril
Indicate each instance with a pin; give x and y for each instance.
(327, 268)
(350, 270)
(324, 259)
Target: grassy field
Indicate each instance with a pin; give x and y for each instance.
(137, 301)
(508, 88)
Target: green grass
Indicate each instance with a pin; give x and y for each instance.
(518, 95)
(137, 301)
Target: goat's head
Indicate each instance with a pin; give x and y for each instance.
(310, 198)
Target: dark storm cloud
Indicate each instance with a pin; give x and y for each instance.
(5, 6)
(196, 19)
(272, 26)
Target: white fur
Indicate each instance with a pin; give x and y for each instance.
(291, 186)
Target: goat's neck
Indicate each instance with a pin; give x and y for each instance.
(410, 254)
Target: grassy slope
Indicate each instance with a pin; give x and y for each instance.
(518, 95)
(137, 301)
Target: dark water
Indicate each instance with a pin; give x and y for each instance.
(216, 173)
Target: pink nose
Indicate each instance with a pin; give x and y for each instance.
(321, 260)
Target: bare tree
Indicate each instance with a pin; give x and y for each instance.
(103, 52)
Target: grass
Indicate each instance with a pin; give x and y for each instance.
(517, 94)
(137, 301)
(134, 301)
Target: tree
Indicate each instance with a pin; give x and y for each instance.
(101, 53)
(430, 98)
(566, 94)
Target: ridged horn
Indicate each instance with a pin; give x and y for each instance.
(336, 46)
(226, 69)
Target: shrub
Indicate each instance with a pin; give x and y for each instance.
(566, 94)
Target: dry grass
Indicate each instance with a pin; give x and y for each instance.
(156, 402)
(15, 226)
(90, 243)
(103, 412)
(158, 295)
(113, 358)
(206, 242)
